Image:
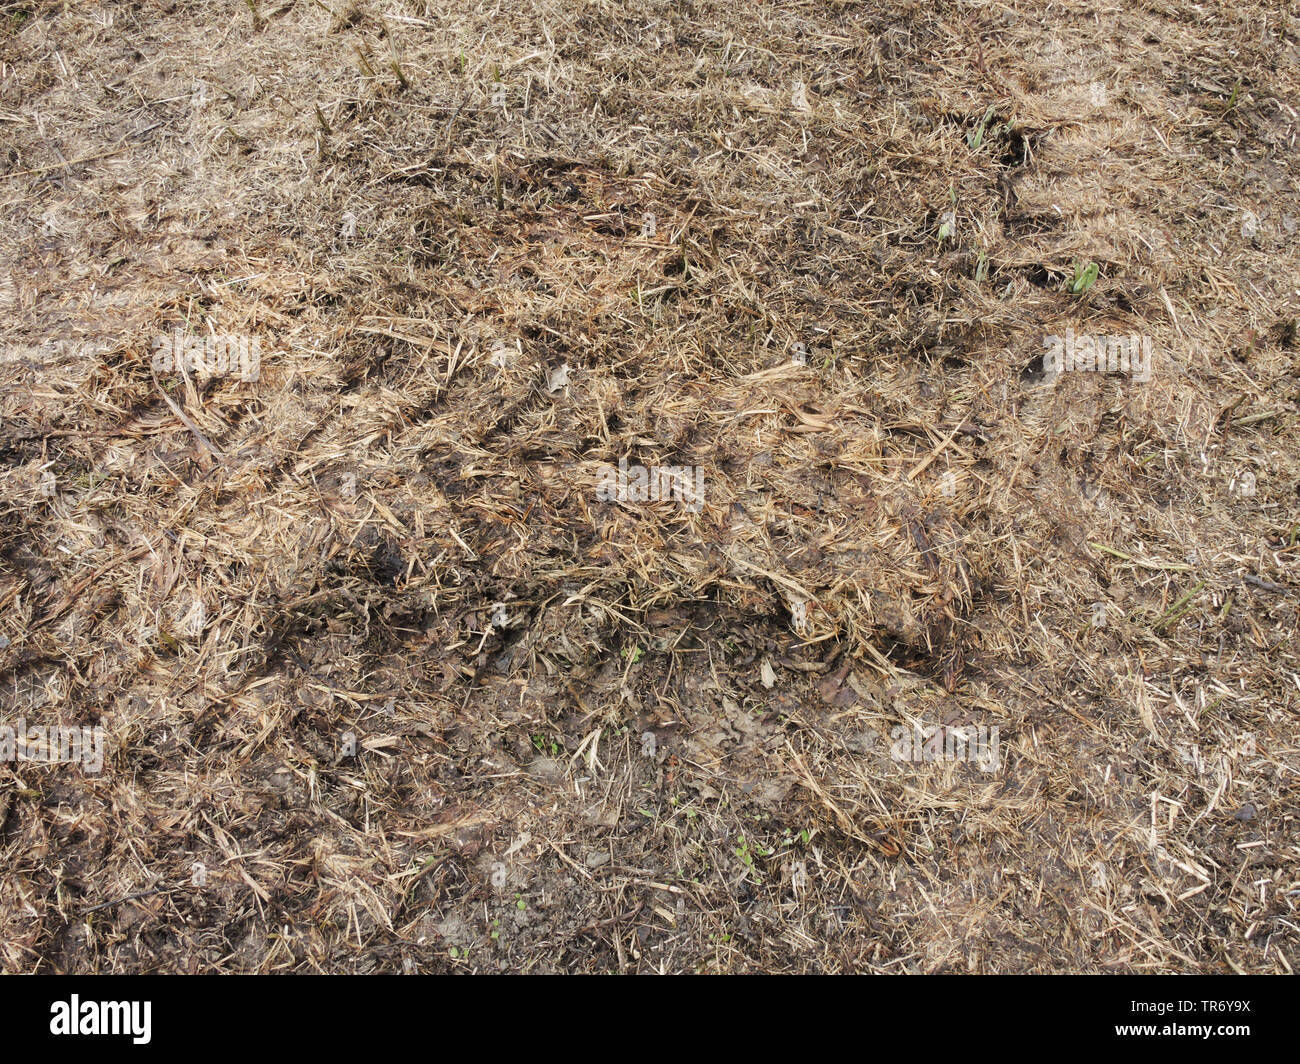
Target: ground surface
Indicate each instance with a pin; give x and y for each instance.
(426, 210)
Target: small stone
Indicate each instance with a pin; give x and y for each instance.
(546, 768)
(864, 743)
(559, 379)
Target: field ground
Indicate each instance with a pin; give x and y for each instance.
(598, 735)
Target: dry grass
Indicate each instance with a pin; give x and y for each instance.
(230, 576)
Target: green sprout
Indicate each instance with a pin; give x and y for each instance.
(1232, 100)
(1083, 278)
(976, 136)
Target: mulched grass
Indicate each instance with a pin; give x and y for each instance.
(388, 686)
